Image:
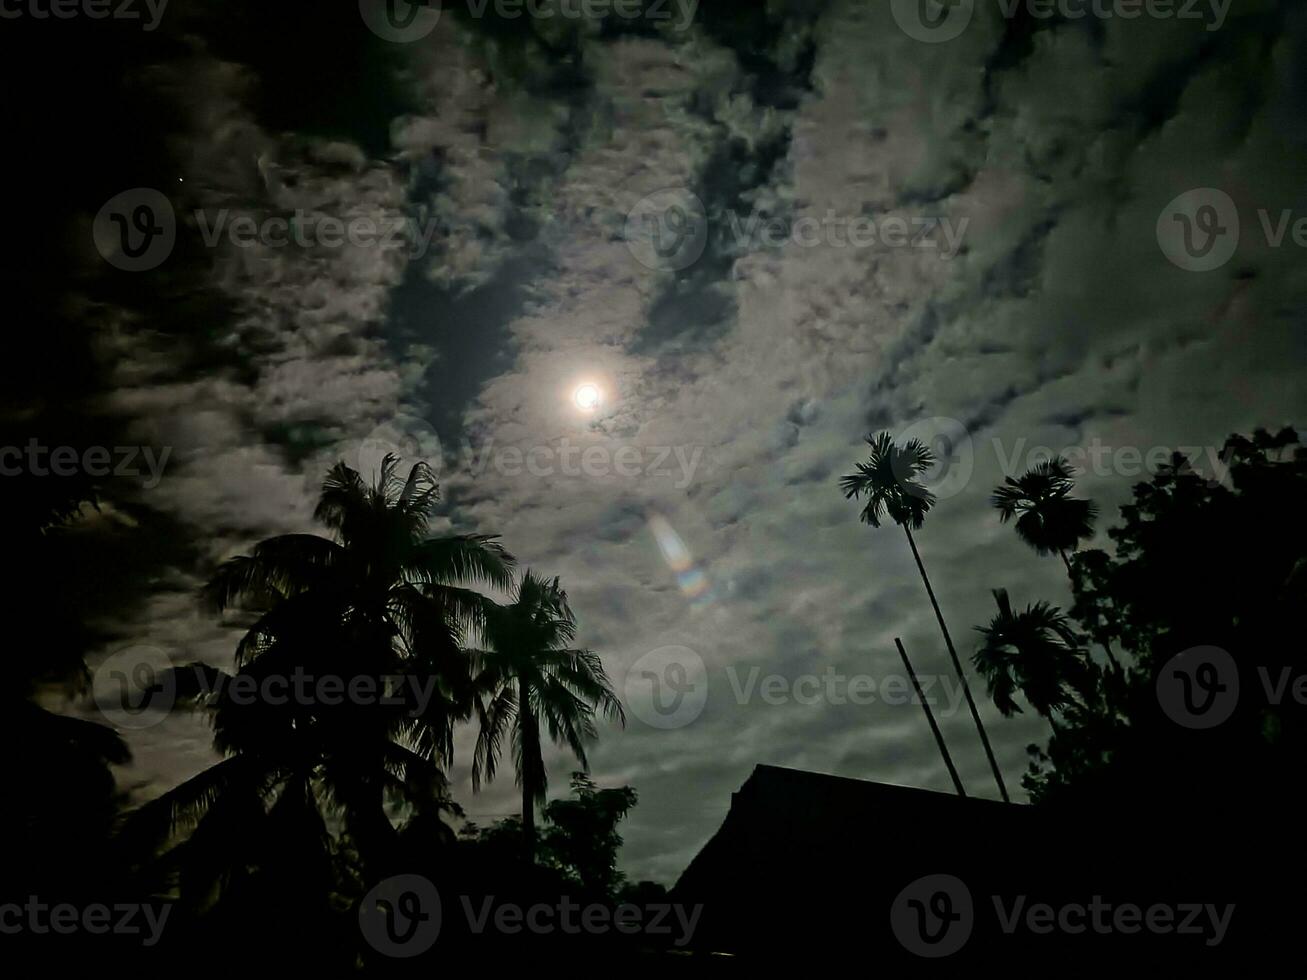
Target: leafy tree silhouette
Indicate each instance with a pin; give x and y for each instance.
(307, 781)
(528, 677)
(1188, 570)
(1034, 651)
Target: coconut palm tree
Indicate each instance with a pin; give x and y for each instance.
(380, 603)
(529, 675)
(888, 479)
(1048, 518)
(1034, 651)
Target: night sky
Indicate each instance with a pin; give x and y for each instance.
(1033, 294)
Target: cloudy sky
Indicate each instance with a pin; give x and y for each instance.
(759, 231)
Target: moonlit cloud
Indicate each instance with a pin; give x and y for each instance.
(733, 391)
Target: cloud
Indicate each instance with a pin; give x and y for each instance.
(1054, 147)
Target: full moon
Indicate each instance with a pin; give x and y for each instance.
(586, 397)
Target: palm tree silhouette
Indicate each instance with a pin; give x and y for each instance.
(888, 480)
(380, 599)
(1048, 518)
(1035, 652)
(529, 675)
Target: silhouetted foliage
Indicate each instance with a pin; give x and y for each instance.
(529, 677)
(315, 790)
(1195, 562)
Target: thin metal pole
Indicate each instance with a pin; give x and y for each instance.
(930, 717)
(957, 666)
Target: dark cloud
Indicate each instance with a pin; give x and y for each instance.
(1052, 146)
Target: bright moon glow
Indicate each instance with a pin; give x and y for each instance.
(586, 397)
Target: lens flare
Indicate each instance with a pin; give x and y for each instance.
(690, 578)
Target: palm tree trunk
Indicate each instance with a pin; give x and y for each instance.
(1107, 647)
(957, 666)
(1067, 562)
(530, 763)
